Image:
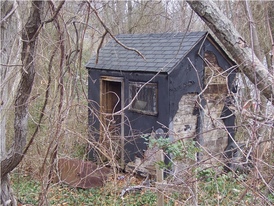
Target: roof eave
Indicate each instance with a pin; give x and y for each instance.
(223, 52)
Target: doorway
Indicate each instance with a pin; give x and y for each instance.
(112, 117)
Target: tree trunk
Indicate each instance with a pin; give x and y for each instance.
(13, 158)
(236, 46)
(269, 15)
(9, 27)
(255, 44)
(129, 16)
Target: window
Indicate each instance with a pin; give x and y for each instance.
(145, 97)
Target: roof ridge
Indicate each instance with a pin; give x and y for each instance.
(159, 35)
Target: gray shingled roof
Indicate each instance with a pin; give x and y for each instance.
(161, 51)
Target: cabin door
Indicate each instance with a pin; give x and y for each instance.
(112, 116)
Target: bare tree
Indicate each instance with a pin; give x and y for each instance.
(15, 154)
(8, 81)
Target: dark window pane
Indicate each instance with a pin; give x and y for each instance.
(144, 97)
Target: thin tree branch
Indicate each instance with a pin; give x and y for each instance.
(14, 7)
(55, 13)
(110, 33)
(100, 45)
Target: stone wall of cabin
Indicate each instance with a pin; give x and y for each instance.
(212, 137)
(184, 130)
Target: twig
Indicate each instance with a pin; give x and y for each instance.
(100, 45)
(11, 65)
(56, 12)
(14, 7)
(131, 188)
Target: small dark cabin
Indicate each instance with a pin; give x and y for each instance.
(183, 86)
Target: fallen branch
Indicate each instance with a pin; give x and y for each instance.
(130, 189)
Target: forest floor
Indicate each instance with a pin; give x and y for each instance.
(27, 192)
(212, 190)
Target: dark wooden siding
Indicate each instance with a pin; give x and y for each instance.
(186, 78)
(136, 124)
